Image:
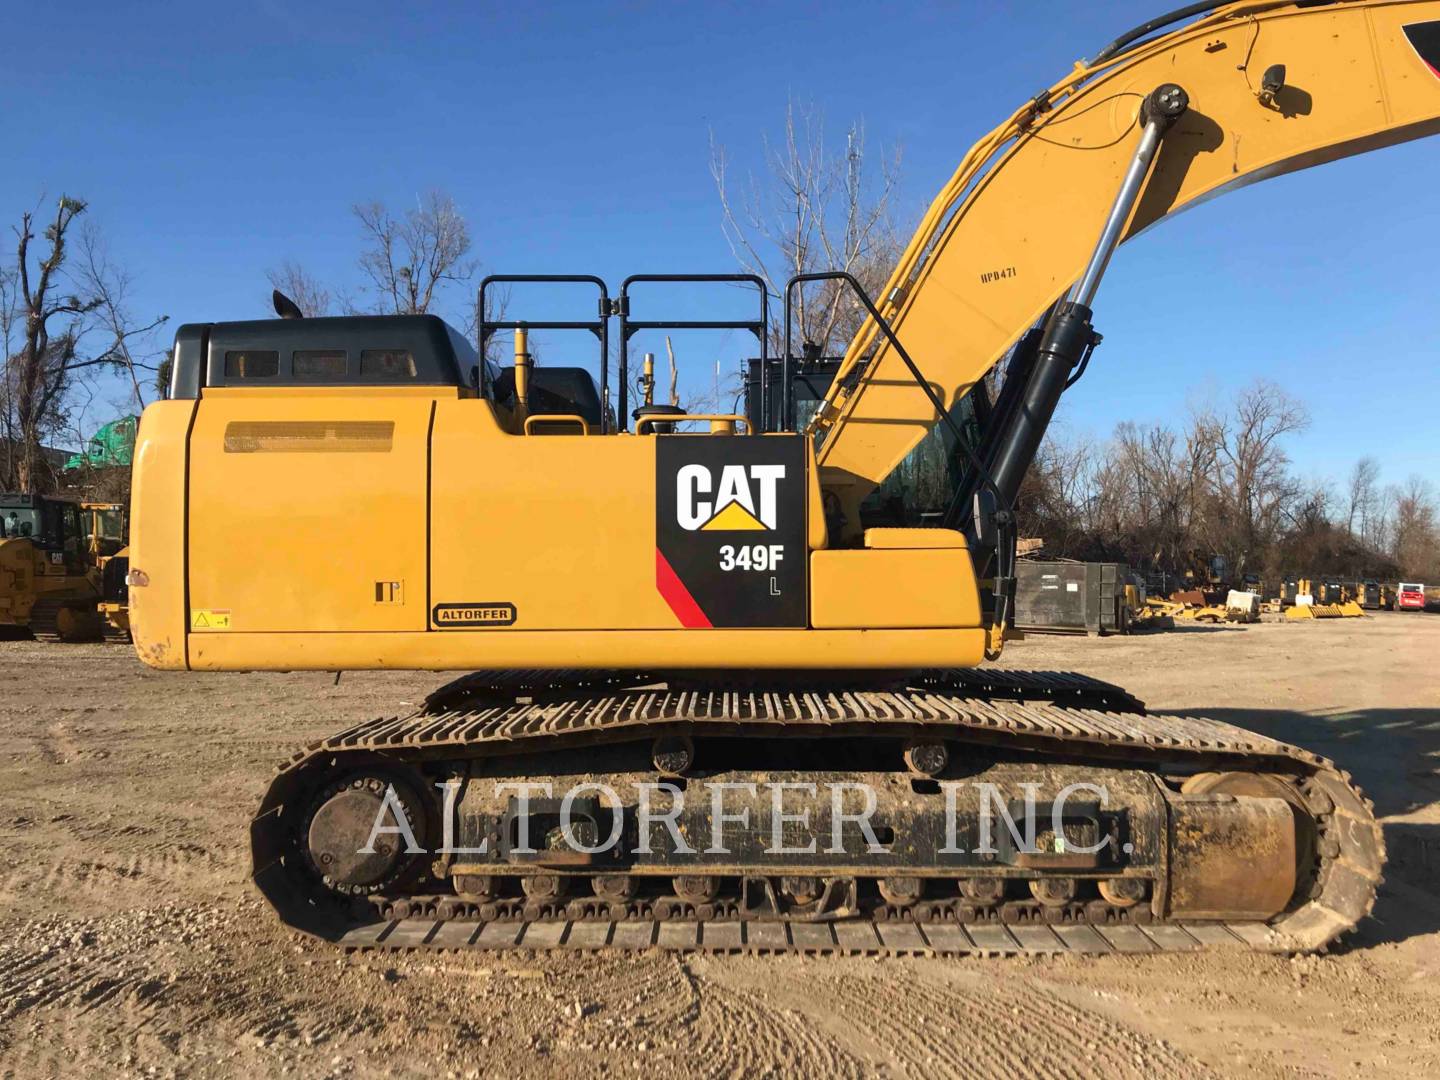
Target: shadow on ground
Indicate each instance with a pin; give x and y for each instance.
(1408, 904)
(1393, 754)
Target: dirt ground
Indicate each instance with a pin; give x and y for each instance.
(132, 944)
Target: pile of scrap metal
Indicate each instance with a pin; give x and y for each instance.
(1151, 612)
(1239, 607)
(1155, 613)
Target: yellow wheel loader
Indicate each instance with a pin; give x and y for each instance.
(716, 700)
(107, 532)
(48, 585)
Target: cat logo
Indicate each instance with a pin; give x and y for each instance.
(744, 500)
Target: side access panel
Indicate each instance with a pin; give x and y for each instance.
(307, 513)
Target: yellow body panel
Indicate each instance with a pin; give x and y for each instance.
(894, 588)
(623, 649)
(914, 538)
(302, 500)
(308, 511)
(157, 533)
(563, 526)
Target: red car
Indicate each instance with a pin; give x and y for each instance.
(1410, 597)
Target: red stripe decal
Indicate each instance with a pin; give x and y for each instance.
(678, 596)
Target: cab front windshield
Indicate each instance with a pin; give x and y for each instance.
(18, 521)
(108, 525)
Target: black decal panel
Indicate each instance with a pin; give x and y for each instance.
(730, 531)
(1425, 37)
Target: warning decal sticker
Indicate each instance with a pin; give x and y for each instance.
(210, 619)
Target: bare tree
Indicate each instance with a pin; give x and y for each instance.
(1363, 491)
(43, 360)
(1252, 483)
(815, 209)
(310, 296)
(1415, 529)
(409, 259)
(109, 285)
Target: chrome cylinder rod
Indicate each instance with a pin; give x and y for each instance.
(1158, 112)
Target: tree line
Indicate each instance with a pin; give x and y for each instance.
(1170, 498)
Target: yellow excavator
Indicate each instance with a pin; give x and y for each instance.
(716, 700)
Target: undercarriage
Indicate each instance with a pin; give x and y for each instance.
(943, 811)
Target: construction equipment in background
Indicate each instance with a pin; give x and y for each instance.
(113, 445)
(114, 604)
(1242, 606)
(107, 530)
(1370, 595)
(1347, 610)
(1410, 596)
(1239, 607)
(1062, 596)
(48, 585)
(713, 609)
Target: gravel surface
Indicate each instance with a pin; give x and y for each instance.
(132, 944)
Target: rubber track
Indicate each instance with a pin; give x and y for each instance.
(523, 712)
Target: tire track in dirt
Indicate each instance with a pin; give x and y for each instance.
(963, 1024)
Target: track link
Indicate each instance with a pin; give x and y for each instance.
(1040, 712)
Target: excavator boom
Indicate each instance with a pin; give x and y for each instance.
(1272, 88)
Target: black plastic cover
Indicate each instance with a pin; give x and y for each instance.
(441, 355)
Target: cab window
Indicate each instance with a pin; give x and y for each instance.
(318, 363)
(21, 521)
(252, 364)
(386, 364)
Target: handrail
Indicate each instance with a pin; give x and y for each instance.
(600, 327)
(628, 327)
(557, 418)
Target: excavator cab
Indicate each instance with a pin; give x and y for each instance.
(53, 527)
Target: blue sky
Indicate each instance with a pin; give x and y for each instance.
(213, 143)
